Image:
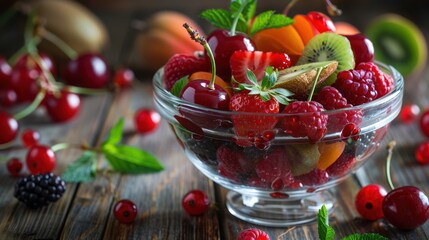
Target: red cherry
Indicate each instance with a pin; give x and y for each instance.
(406, 207)
(8, 97)
(8, 127)
(409, 113)
(30, 137)
(223, 45)
(362, 47)
(125, 211)
(422, 153)
(321, 22)
(5, 71)
(23, 81)
(87, 70)
(198, 91)
(28, 62)
(14, 166)
(64, 107)
(123, 77)
(369, 200)
(195, 202)
(146, 120)
(424, 122)
(40, 159)
(253, 234)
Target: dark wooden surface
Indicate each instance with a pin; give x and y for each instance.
(85, 211)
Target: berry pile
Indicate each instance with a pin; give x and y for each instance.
(294, 78)
(39, 190)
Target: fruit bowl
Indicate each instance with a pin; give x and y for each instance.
(278, 179)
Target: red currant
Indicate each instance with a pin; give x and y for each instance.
(422, 153)
(8, 97)
(5, 71)
(146, 120)
(406, 207)
(14, 166)
(424, 122)
(8, 127)
(125, 211)
(195, 202)
(28, 62)
(64, 107)
(409, 112)
(369, 201)
(253, 234)
(30, 137)
(40, 159)
(123, 77)
(23, 81)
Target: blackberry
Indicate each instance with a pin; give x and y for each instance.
(39, 190)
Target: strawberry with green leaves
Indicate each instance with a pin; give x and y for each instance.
(256, 98)
(234, 26)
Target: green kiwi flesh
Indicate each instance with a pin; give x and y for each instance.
(398, 42)
(329, 46)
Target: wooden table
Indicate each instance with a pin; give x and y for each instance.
(85, 211)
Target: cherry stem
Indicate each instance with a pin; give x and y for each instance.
(313, 87)
(201, 40)
(332, 9)
(6, 146)
(30, 108)
(390, 147)
(87, 91)
(236, 17)
(63, 46)
(289, 6)
(61, 146)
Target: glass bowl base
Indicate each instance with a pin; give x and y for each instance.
(273, 212)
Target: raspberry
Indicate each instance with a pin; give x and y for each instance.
(342, 165)
(253, 234)
(383, 82)
(273, 166)
(39, 190)
(180, 65)
(357, 86)
(306, 120)
(230, 159)
(332, 99)
(314, 177)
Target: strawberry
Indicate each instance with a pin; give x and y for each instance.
(180, 65)
(255, 98)
(257, 62)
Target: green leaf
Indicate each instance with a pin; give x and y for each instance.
(265, 96)
(129, 159)
(267, 20)
(326, 232)
(251, 77)
(83, 169)
(220, 18)
(115, 134)
(178, 86)
(365, 236)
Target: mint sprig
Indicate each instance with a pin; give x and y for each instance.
(326, 232)
(240, 15)
(179, 85)
(83, 169)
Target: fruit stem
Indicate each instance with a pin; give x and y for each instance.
(236, 17)
(87, 91)
(289, 6)
(201, 40)
(313, 87)
(60, 146)
(390, 147)
(332, 9)
(30, 108)
(67, 50)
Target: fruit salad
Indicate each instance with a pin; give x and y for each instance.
(275, 102)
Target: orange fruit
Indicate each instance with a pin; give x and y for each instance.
(304, 28)
(284, 40)
(329, 153)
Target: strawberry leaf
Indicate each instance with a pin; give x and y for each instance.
(269, 19)
(178, 86)
(251, 77)
(220, 18)
(81, 170)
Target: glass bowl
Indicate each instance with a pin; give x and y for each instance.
(274, 178)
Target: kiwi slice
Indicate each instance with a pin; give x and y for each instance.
(299, 79)
(398, 42)
(329, 46)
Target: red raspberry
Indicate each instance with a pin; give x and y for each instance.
(383, 82)
(275, 165)
(332, 99)
(230, 161)
(180, 65)
(341, 166)
(314, 177)
(253, 234)
(357, 86)
(306, 120)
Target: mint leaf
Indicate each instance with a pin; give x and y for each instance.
(178, 86)
(326, 232)
(83, 169)
(115, 134)
(365, 236)
(244, 10)
(220, 18)
(129, 159)
(268, 19)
